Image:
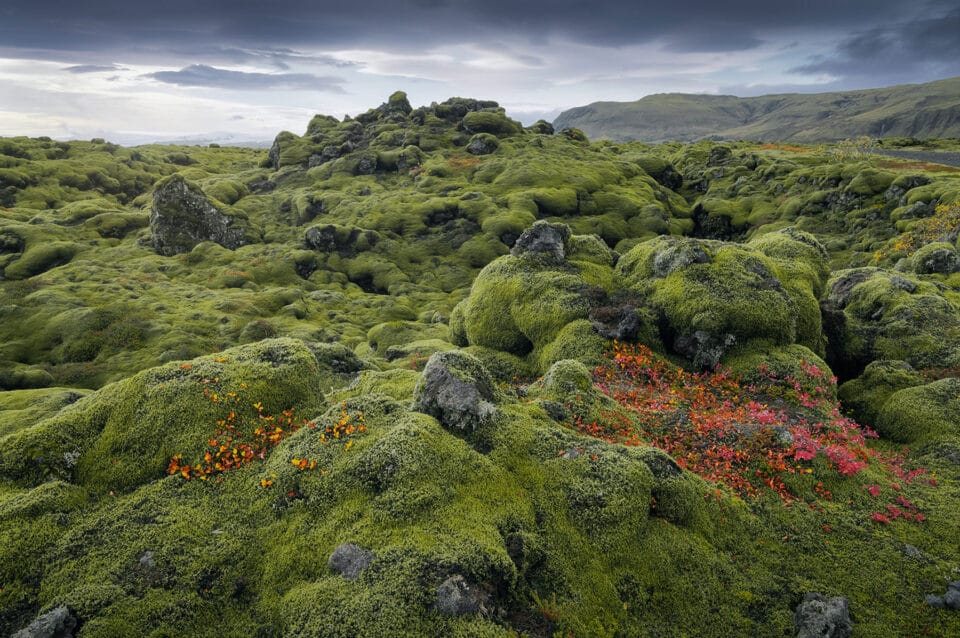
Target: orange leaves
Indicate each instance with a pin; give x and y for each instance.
(247, 433)
(303, 464)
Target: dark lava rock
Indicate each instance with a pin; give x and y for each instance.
(349, 560)
(818, 617)
(455, 597)
(56, 623)
(703, 348)
(482, 144)
(343, 240)
(543, 239)
(182, 217)
(456, 390)
(621, 324)
(950, 600)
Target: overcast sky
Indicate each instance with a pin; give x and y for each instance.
(136, 71)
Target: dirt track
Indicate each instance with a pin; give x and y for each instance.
(937, 157)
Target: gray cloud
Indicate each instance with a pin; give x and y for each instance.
(208, 76)
(700, 25)
(92, 68)
(914, 51)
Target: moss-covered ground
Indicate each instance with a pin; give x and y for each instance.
(186, 439)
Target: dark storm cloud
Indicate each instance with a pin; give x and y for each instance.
(212, 77)
(913, 51)
(702, 25)
(92, 68)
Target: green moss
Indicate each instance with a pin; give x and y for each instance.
(488, 122)
(397, 384)
(576, 340)
(865, 396)
(41, 258)
(517, 307)
(922, 413)
(721, 290)
(872, 314)
(228, 191)
(21, 409)
(397, 333)
(870, 182)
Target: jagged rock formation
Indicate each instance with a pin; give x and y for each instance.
(182, 217)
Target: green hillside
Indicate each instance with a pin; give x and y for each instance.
(427, 372)
(922, 111)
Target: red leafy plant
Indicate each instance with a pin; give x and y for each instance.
(751, 438)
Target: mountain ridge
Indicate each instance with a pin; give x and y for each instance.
(909, 110)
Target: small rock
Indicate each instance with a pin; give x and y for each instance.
(952, 599)
(455, 597)
(56, 623)
(934, 601)
(818, 617)
(349, 560)
(146, 561)
(912, 552)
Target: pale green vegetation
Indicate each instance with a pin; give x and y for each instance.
(371, 244)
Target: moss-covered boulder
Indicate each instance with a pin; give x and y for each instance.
(289, 149)
(935, 258)
(520, 302)
(871, 314)
(126, 433)
(865, 396)
(183, 217)
(712, 295)
(483, 144)
(922, 414)
(494, 123)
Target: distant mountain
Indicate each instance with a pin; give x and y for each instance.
(909, 110)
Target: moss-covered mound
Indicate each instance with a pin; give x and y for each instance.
(524, 303)
(125, 434)
(871, 314)
(922, 413)
(712, 295)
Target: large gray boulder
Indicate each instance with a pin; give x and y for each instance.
(182, 217)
